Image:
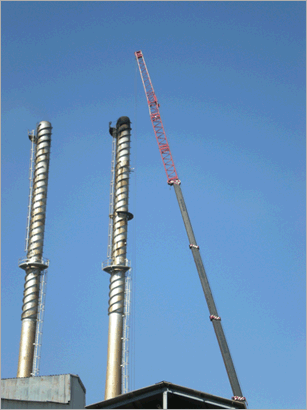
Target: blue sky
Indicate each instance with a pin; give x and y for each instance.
(230, 79)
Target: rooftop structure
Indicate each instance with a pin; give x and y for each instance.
(43, 392)
(165, 395)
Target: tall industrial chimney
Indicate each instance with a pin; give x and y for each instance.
(118, 265)
(34, 264)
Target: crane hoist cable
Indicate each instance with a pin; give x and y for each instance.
(173, 180)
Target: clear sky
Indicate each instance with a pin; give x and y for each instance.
(230, 79)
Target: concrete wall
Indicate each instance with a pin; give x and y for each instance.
(22, 404)
(58, 391)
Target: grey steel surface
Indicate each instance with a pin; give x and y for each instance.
(57, 391)
(231, 372)
(119, 250)
(35, 249)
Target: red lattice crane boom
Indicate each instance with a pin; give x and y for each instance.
(155, 117)
(172, 179)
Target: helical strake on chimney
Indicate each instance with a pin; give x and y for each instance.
(34, 263)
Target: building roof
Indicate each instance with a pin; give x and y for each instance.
(166, 395)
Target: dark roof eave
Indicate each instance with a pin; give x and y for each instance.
(159, 387)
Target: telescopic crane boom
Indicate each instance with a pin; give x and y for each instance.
(172, 179)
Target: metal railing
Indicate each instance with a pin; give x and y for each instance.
(33, 148)
(39, 323)
(26, 261)
(111, 205)
(126, 331)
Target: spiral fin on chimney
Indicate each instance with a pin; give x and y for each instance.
(34, 264)
(118, 263)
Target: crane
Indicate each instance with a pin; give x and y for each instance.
(173, 180)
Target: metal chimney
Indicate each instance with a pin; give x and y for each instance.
(34, 264)
(118, 264)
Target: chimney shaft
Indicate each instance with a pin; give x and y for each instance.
(34, 263)
(119, 261)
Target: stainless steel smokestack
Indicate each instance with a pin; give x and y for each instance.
(118, 266)
(34, 263)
